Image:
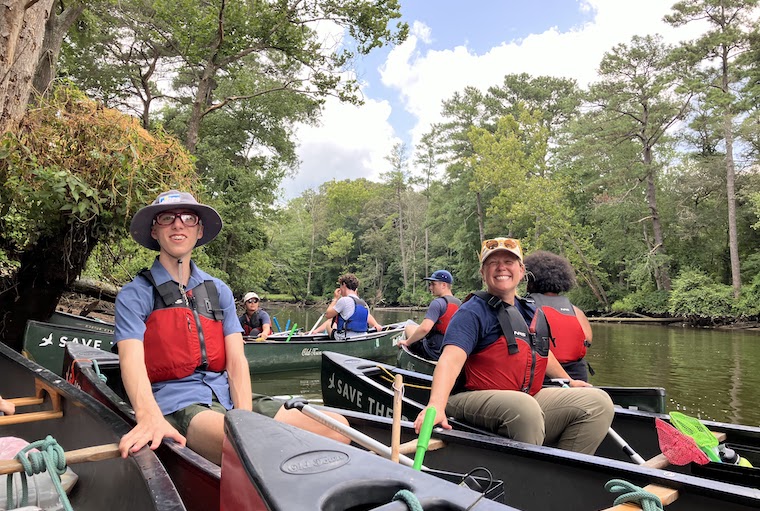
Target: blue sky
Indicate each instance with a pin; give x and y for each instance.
(458, 43)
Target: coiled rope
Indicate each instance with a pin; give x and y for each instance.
(50, 458)
(648, 501)
(408, 498)
(96, 367)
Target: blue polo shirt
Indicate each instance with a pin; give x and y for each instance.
(134, 303)
(475, 326)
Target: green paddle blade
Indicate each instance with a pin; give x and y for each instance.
(692, 427)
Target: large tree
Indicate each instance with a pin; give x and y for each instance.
(22, 30)
(731, 23)
(637, 100)
(73, 174)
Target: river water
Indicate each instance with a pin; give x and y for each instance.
(709, 374)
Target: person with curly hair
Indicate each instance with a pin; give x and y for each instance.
(550, 275)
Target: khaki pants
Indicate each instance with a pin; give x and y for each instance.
(575, 419)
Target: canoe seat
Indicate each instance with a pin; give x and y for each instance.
(666, 495)
(41, 389)
(410, 447)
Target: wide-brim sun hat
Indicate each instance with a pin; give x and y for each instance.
(142, 222)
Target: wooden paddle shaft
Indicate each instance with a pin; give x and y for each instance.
(95, 453)
(398, 390)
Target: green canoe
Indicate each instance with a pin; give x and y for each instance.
(304, 351)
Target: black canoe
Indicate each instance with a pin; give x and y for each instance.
(648, 399)
(293, 470)
(196, 478)
(76, 421)
(538, 478)
(363, 385)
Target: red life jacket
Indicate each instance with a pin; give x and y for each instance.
(181, 336)
(568, 332)
(515, 361)
(452, 305)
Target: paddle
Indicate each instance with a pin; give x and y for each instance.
(690, 426)
(627, 449)
(705, 439)
(424, 438)
(398, 394)
(95, 453)
(347, 431)
(317, 323)
(295, 325)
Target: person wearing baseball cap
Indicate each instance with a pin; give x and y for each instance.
(255, 321)
(179, 339)
(500, 346)
(426, 338)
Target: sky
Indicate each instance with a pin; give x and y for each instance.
(453, 44)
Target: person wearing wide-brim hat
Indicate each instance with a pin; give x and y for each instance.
(179, 339)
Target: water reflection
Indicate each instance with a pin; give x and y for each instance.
(710, 374)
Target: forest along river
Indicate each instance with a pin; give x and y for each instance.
(710, 374)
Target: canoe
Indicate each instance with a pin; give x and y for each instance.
(303, 351)
(363, 385)
(297, 470)
(67, 319)
(44, 342)
(196, 478)
(538, 478)
(649, 399)
(47, 405)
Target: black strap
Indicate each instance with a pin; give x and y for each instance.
(503, 315)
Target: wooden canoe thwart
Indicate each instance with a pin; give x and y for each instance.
(89, 434)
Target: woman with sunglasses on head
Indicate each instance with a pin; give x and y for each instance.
(255, 321)
(179, 339)
(493, 364)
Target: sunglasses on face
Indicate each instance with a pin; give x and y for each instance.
(168, 218)
(508, 243)
(252, 300)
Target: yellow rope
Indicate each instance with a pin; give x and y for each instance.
(389, 378)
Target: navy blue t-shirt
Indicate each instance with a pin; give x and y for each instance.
(475, 326)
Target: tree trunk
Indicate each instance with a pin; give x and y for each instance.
(42, 281)
(201, 101)
(22, 28)
(662, 274)
(55, 30)
(733, 239)
(401, 239)
(481, 228)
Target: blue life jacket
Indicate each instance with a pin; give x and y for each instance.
(358, 320)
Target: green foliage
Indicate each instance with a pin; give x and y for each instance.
(73, 162)
(653, 303)
(696, 296)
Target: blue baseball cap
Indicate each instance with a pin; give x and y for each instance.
(441, 276)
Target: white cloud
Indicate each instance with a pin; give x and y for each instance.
(353, 141)
(350, 142)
